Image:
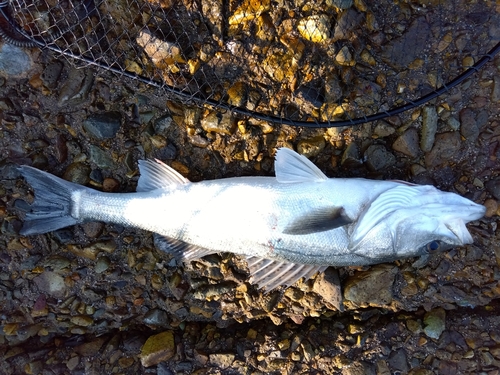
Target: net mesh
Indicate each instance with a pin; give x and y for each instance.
(307, 63)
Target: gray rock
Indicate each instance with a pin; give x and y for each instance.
(434, 322)
(162, 124)
(327, 285)
(51, 73)
(429, 128)
(402, 51)
(14, 61)
(103, 125)
(347, 22)
(350, 157)
(341, 4)
(397, 361)
(101, 158)
(378, 158)
(373, 287)
(495, 92)
(156, 317)
(445, 147)
(493, 186)
(468, 125)
(51, 283)
(76, 87)
(407, 143)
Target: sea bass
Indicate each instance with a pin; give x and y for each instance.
(288, 227)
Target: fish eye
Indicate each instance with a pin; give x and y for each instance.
(433, 246)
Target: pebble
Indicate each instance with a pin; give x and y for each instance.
(103, 125)
(14, 61)
(434, 323)
(315, 28)
(493, 187)
(397, 361)
(156, 317)
(468, 126)
(51, 73)
(217, 123)
(347, 23)
(377, 158)
(77, 173)
(157, 348)
(51, 283)
(383, 129)
(445, 147)
(429, 128)
(311, 147)
(222, 360)
(340, 4)
(373, 287)
(350, 157)
(407, 143)
(327, 285)
(495, 91)
(100, 157)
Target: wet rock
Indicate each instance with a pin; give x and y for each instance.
(397, 361)
(429, 128)
(350, 157)
(219, 123)
(445, 147)
(157, 348)
(373, 287)
(434, 322)
(411, 45)
(51, 73)
(327, 285)
(221, 360)
(378, 158)
(407, 143)
(51, 283)
(103, 125)
(315, 28)
(468, 125)
(493, 187)
(311, 147)
(14, 61)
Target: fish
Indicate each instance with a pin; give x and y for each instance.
(288, 227)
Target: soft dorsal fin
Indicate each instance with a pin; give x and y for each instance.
(157, 175)
(292, 167)
(402, 196)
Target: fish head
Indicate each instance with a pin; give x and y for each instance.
(414, 220)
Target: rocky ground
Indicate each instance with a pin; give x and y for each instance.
(100, 298)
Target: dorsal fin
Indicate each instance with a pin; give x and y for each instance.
(157, 175)
(292, 167)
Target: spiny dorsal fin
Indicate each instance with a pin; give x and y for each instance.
(269, 274)
(157, 175)
(319, 220)
(292, 167)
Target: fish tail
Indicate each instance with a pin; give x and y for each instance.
(53, 205)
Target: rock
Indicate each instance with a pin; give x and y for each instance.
(373, 287)
(493, 187)
(51, 73)
(407, 143)
(434, 322)
(311, 147)
(397, 361)
(237, 94)
(91, 348)
(346, 24)
(157, 348)
(383, 129)
(491, 207)
(333, 90)
(103, 125)
(219, 123)
(445, 147)
(340, 4)
(156, 317)
(495, 91)
(77, 173)
(378, 158)
(344, 57)
(429, 128)
(221, 360)
(468, 126)
(161, 52)
(14, 61)
(76, 87)
(100, 157)
(315, 28)
(401, 51)
(51, 283)
(327, 285)
(350, 157)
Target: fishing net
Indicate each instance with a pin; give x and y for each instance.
(324, 63)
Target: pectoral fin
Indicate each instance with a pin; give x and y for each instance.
(318, 221)
(270, 274)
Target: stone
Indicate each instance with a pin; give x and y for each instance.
(14, 61)
(315, 28)
(407, 143)
(372, 287)
(378, 158)
(157, 348)
(429, 128)
(311, 147)
(493, 187)
(346, 24)
(350, 157)
(445, 147)
(327, 285)
(221, 360)
(217, 123)
(468, 125)
(434, 322)
(397, 361)
(51, 283)
(103, 125)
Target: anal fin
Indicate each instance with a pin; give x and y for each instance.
(180, 249)
(269, 274)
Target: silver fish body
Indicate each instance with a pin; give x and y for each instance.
(289, 226)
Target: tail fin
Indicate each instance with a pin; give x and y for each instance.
(52, 206)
